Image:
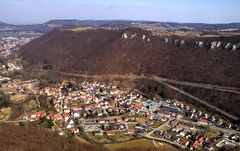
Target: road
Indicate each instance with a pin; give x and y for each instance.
(164, 81)
(58, 128)
(12, 122)
(229, 89)
(201, 101)
(37, 100)
(148, 135)
(155, 145)
(225, 130)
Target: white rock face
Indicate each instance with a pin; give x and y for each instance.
(182, 42)
(134, 35)
(166, 40)
(238, 45)
(143, 37)
(213, 44)
(176, 42)
(124, 36)
(234, 47)
(219, 44)
(200, 43)
(227, 46)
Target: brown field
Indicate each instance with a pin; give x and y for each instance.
(34, 138)
(145, 144)
(18, 98)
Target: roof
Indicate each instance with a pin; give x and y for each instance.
(203, 120)
(119, 119)
(184, 140)
(56, 116)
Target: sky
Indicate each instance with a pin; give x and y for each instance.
(190, 11)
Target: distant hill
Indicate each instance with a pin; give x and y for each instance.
(123, 23)
(48, 26)
(127, 23)
(132, 51)
(2, 23)
(202, 26)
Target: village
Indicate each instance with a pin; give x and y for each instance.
(10, 44)
(108, 113)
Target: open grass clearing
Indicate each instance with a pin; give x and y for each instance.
(141, 143)
(18, 98)
(82, 140)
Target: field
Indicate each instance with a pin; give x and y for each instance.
(156, 124)
(212, 134)
(82, 140)
(142, 143)
(5, 113)
(35, 138)
(79, 29)
(18, 98)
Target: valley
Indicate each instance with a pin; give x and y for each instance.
(114, 84)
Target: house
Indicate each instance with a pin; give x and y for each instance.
(114, 91)
(76, 108)
(119, 119)
(184, 141)
(178, 129)
(25, 117)
(121, 126)
(67, 110)
(195, 145)
(98, 133)
(36, 115)
(74, 130)
(70, 124)
(110, 133)
(101, 121)
(112, 121)
(130, 131)
(201, 140)
(99, 112)
(164, 113)
(139, 106)
(65, 116)
(56, 117)
(76, 115)
(183, 133)
(203, 121)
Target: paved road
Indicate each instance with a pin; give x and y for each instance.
(229, 89)
(12, 122)
(225, 130)
(37, 100)
(201, 101)
(200, 85)
(148, 135)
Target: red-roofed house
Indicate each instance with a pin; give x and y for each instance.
(203, 121)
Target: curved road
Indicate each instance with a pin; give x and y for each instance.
(200, 85)
(234, 90)
(201, 101)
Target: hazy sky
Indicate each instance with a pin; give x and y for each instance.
(39, 11)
